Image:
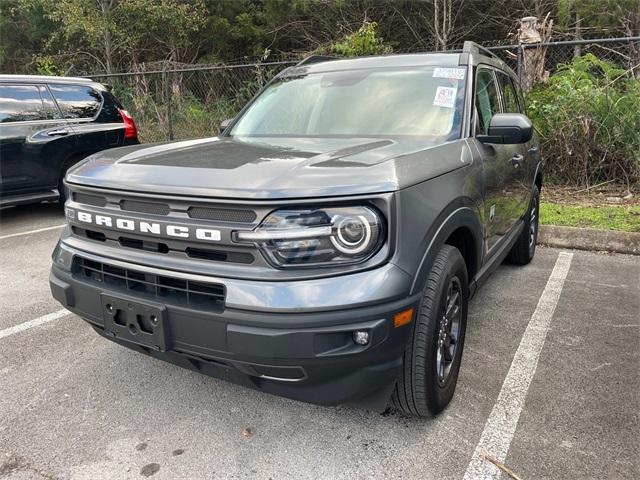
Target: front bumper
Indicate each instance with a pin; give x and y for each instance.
(300, 346)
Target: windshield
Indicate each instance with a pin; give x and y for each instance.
(425, 101)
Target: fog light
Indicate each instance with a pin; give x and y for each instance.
(361, 337)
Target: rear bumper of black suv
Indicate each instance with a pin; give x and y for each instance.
(305, 353)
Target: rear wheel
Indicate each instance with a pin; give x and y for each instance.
(524, 249)
(434, 352)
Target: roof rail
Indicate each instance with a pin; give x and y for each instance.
(315, 59)
(473, 47)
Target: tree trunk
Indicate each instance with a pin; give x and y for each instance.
(577, 49)
(533, 58)
(105, 7)
(442, 22)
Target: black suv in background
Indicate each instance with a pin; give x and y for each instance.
(47, 124)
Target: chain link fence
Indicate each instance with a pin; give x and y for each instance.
(534, 63)
(584, 99)
(187, 103)
(191, 103)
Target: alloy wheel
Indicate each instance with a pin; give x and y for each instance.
(449, 331)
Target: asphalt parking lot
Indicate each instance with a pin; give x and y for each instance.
(550, 377)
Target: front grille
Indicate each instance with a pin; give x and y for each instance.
(145, 207)
(166, 289)
(95, 200)
(199, 211)
(222, 214)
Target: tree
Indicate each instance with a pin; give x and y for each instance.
(364, 41)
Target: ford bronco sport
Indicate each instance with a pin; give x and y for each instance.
(325, 246)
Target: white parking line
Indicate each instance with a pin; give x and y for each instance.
(502, 422)
(34, 323)
(19, 234)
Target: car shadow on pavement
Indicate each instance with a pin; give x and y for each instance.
(35, 215)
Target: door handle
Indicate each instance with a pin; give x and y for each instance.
(58, 133)
(516, 160)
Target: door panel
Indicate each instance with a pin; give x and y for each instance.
(34, 139)
(496, 160)
(521, 175)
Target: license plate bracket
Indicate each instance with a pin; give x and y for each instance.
(143, 323)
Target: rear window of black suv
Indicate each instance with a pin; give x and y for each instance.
(77, 101)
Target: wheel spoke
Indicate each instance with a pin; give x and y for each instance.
(448, 354)
(440, 362)
(452, 307)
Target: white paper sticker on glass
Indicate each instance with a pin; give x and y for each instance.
(451, 73)
(445, 97)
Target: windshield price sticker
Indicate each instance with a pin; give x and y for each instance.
(450, 73)
(445, 97)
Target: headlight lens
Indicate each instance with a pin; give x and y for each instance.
(318, 237)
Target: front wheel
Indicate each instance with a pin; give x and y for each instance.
(434, 352)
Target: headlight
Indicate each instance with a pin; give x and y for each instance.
(318, 237)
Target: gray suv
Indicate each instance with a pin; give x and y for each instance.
(325, 246)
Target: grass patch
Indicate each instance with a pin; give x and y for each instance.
(625, 218)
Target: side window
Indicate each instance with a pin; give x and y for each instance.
(76, 101)
(486, 99)
(50, 110)
(509, 94)
(20, 103)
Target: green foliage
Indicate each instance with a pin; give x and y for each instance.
(610, 16)
(106, 32)
(364, 41)
(24, 33)
(122, 35)
(625, 218)
(45, 65)
(589, 117)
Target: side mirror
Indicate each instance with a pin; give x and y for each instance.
(224, 125)
(508, 128)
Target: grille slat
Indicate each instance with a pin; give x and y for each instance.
(145, 207)
(222, 214)
(180, 291)
(87, 199)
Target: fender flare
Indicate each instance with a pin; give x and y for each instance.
(449, 221)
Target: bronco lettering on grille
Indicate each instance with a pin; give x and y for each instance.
(143, 227)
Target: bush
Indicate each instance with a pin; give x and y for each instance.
(588, 115)
(365, 41)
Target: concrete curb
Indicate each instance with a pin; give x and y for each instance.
(590, 239)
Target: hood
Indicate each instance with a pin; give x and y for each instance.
(262, 168)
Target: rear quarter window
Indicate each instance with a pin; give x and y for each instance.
(77, 101)
(509, 94)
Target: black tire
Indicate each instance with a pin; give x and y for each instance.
(420, 390)
(524, 249)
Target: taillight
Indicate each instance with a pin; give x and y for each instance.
(130, 129)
